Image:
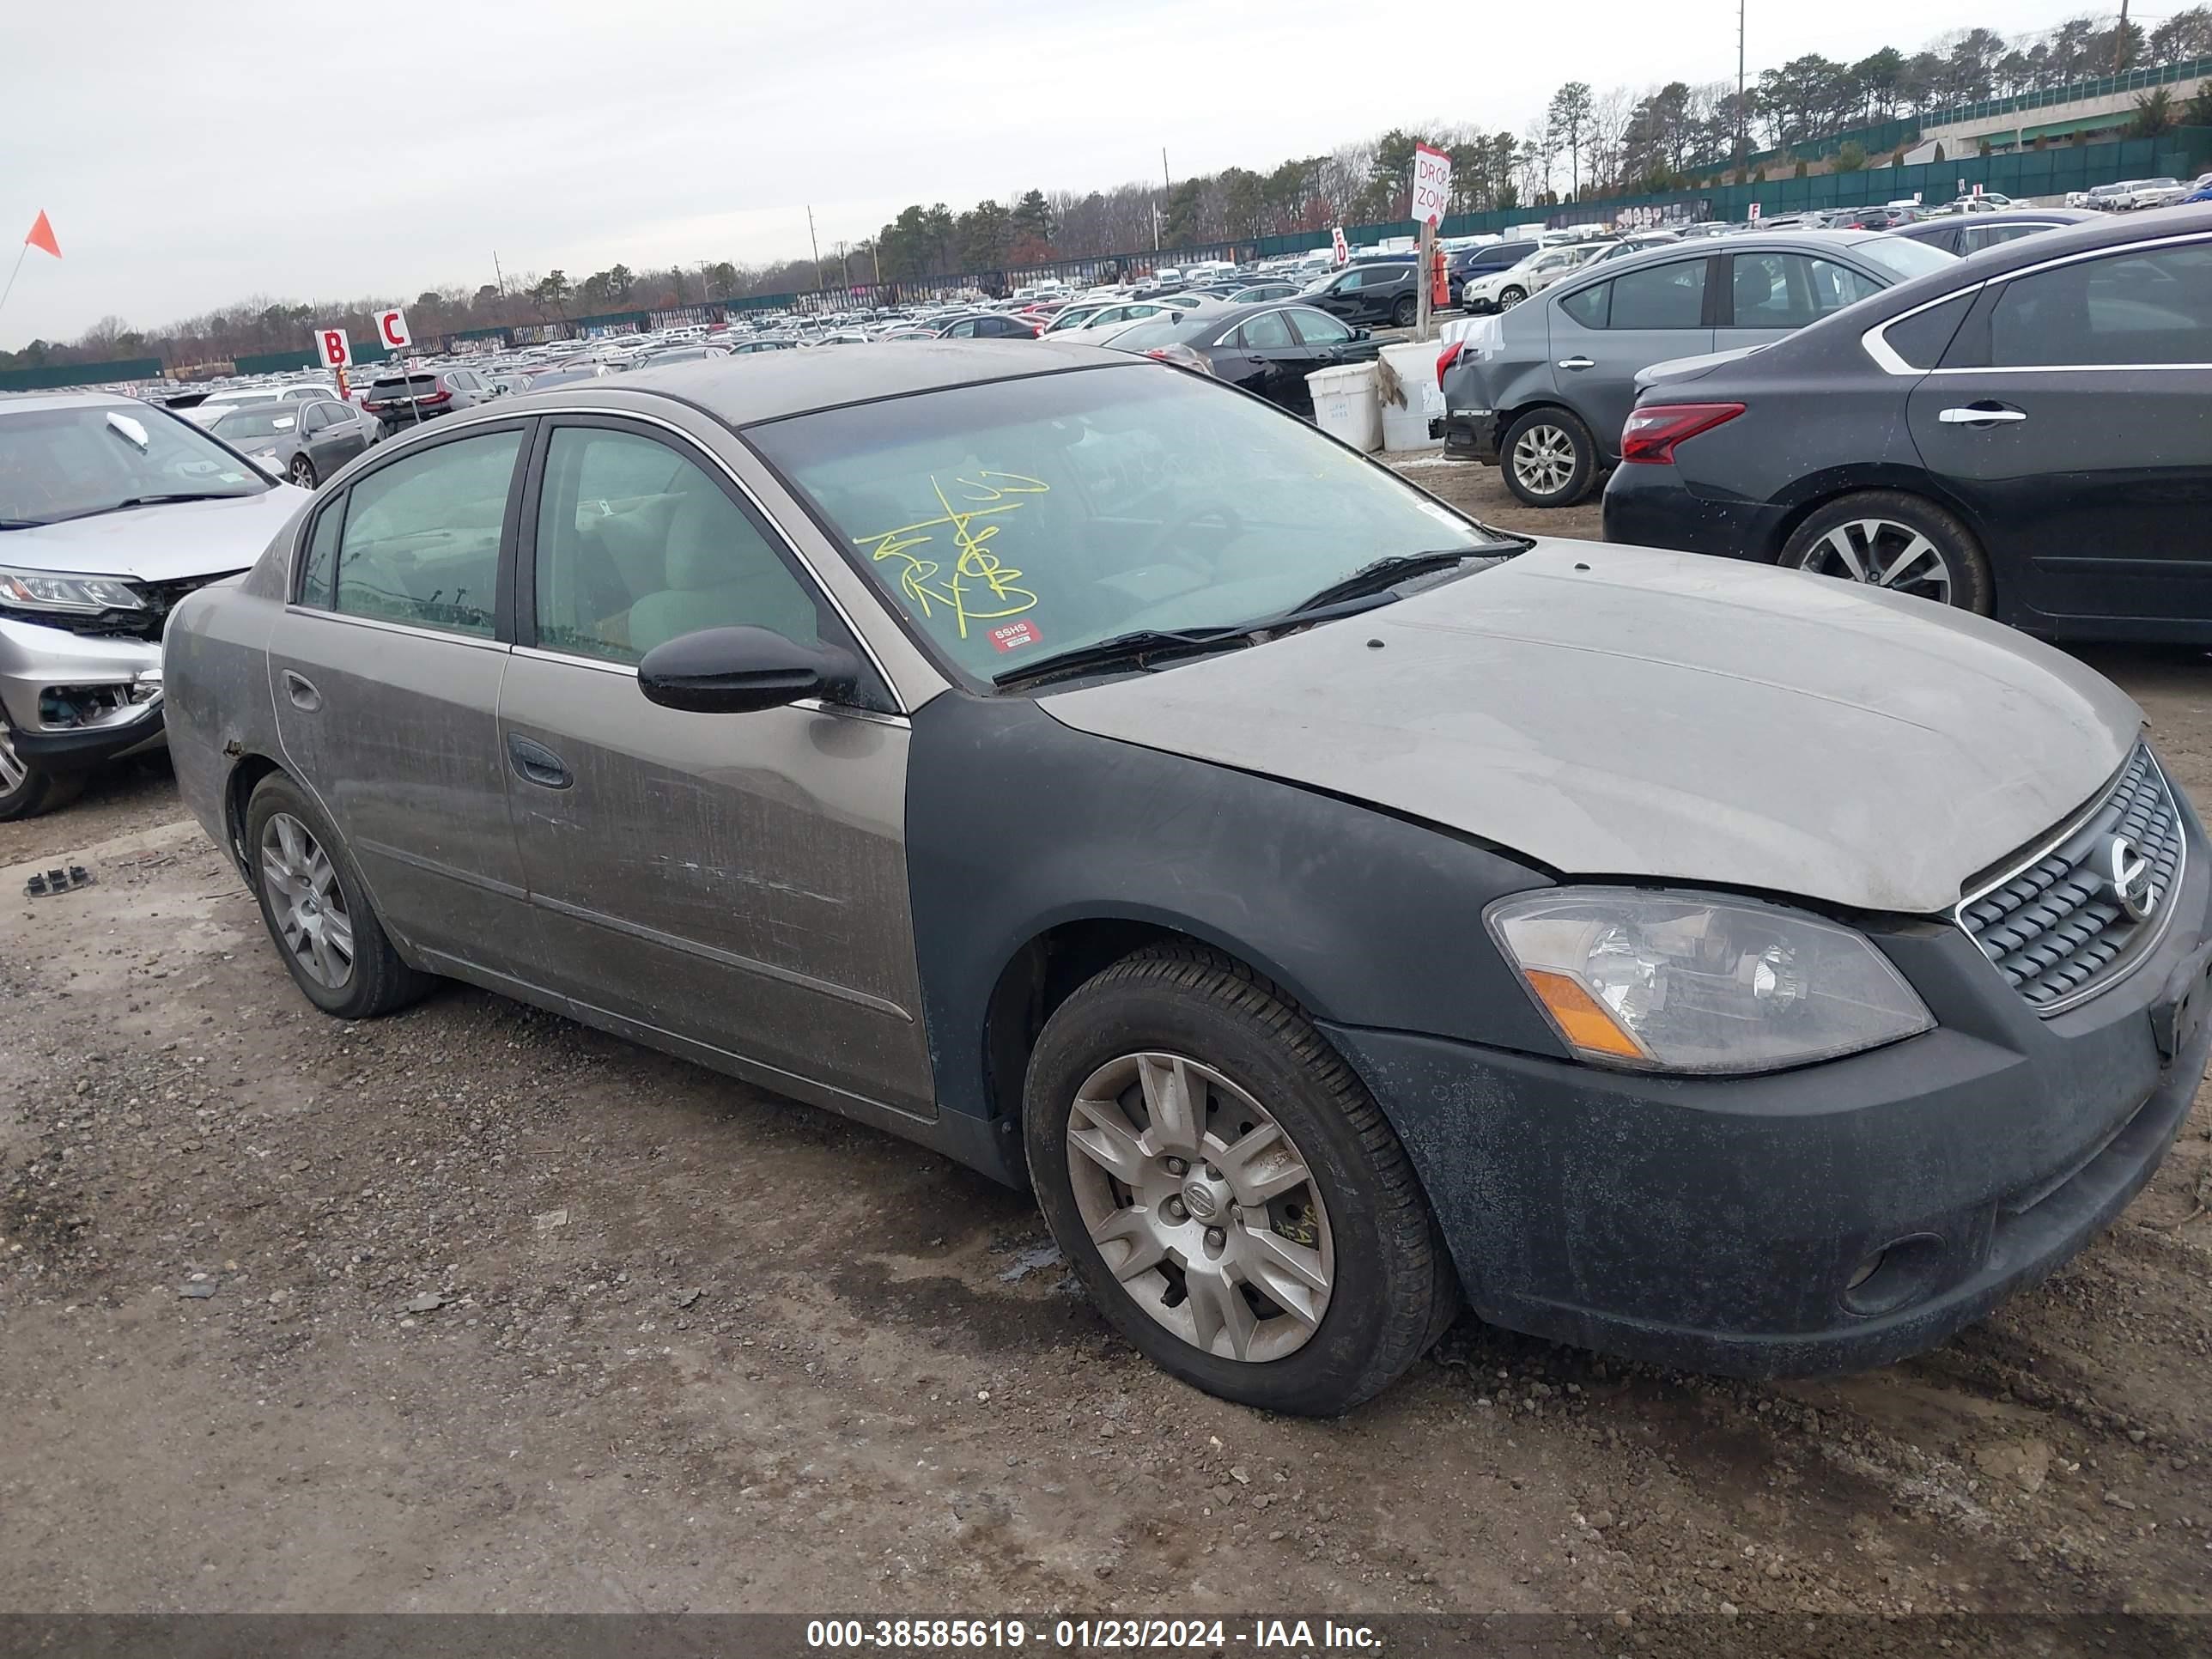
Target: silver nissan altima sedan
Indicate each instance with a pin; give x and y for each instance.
(1335, 910)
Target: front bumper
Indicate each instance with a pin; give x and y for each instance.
(35, 657)
(1717, 1224)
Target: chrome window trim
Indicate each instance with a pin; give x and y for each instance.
(293, 607)
(1881, 351)
(1282, 311)
(2143, 950)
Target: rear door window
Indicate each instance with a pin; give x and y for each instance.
(1269, 332)
(421, 535)
(1669, 295)
(2150, 306)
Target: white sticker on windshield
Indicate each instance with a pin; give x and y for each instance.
(1442, 514)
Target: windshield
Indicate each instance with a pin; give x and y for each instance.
(1025, 518)
(1903, 257)
(67, 463)
(262, 423)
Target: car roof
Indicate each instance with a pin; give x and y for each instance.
(1938, 223)
(744, 389)
(16, 403)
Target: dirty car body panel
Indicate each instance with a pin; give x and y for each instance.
(872, 900)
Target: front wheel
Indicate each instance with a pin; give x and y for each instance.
(1511, 297)
(1550, 457)
(303, 472)
(1227, 1190)
(1905, 542)
(1402, 314)
(27, 790)
(317, 910)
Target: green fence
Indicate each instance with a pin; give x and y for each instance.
(53, 375)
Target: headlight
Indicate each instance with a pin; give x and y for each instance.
(44, 590)
(1688, 982)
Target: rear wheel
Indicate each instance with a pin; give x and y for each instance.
(27, 790)
(1905, 542)
(317, 910)
(1402, 314)
(1550, 458)
(303, 472)
(1229, 1191)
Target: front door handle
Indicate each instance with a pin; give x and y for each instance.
(1577, 363)
(534, 762)
(1981, 415)
(303, 694)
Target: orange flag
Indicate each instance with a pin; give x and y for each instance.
(42, 236)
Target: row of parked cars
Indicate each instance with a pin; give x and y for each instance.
(2020, 431)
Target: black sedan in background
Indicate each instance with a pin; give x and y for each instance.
(1970, 233)
(1268, 348)
(2023, 433)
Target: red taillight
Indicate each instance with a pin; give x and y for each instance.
(438, 397)
(1653, 431)
(1446, 358)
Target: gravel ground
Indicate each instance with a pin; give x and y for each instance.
(473, 1309)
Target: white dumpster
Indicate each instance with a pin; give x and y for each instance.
(1345, 406)
(1406, 418)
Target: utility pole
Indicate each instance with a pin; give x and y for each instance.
(815, 244)
(2120, 42)
(499, 277)
(1742, 129)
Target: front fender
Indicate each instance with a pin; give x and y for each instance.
(1017, 823)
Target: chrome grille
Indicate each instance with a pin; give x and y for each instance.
(2053, 925)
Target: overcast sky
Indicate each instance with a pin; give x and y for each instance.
(191, 155)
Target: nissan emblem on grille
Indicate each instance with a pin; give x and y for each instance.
(2073, 916)
(2129, 872)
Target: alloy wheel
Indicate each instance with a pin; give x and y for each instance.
(303, 472)
(13, 772)
(1201, 1206)
(1544, 459)
(1510, 298)
(1882, 553)
(305, 901)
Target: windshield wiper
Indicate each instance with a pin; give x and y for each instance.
(154, 500)
(1124, 648)
(21, 523)
(1377, 578)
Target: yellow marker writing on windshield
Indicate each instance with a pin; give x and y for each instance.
(979, 586)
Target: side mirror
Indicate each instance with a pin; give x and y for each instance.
(272, 468)
(1361, 334)
(736, 671)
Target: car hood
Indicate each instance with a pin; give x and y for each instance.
(163, 544)
(1619, 712)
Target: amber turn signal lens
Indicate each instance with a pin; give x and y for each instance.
(1581, 1018)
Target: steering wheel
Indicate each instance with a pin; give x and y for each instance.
(1190, 518)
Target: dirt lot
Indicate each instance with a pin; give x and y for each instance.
(472, 1309)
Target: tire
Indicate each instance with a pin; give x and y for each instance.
(1549, 458)
(1510, 297)
(1386, 1289)
(1403, 312)
(1905, 542)
(27, 790)
(375, 981)
(302, 472)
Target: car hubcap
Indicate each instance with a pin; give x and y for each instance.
(303, 475)
(13, 772)
(1509, 299)
(306, 901)
(1201, 1206)
(1544, 459)
(1883, 554)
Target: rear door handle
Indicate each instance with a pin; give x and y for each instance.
(301, 692)
(1981, 415)
(1577, 363)
(534, 762)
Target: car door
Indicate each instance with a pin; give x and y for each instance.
(1262, 356)
(324, 429)
(1341, 297)
(1771, 294)
(2068, 415)
(737, 881)
(385, 672)
(1603, 335)
(1326, 341)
